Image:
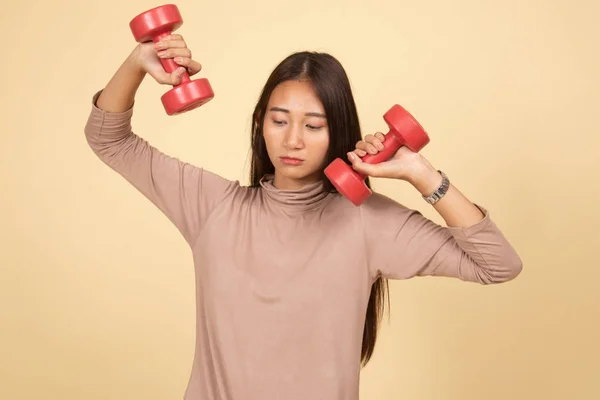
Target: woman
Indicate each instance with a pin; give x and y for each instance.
(290, 275)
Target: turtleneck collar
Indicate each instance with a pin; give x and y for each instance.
(307, 197)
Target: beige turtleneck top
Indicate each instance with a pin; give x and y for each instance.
(283, 276)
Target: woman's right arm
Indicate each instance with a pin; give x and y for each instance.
(183, 192)
(119, 93)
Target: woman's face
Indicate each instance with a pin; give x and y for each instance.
(296, 134)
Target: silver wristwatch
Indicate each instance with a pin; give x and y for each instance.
(440, 191)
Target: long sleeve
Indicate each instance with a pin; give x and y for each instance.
(186, 194)
(401, 243)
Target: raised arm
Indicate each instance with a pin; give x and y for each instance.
(186, 194)
(402, 243)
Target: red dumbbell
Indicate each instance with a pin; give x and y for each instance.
(154, 24)
(404, 131)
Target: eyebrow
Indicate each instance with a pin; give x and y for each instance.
(308, 114)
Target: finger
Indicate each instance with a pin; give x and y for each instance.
(177, 75)
(369, 138)
(361, 144)
(375, 141)
(371, 149)
(192, 66)
(360, 153)
(172, 53)
(368, 147)
(380, 136)
(174, 78)
(365, 168)
(170, 41)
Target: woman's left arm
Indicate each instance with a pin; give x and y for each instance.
(456, 209)
(412, 167)
(471, 247)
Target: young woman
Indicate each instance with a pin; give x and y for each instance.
(290, 275)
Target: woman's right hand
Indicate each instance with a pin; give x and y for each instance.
(147, 56)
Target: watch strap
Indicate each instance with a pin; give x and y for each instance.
(440, 191)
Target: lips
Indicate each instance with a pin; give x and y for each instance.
(291, 160)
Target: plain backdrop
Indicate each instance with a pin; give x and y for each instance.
(97, 285)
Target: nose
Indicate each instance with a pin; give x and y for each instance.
(294, 138)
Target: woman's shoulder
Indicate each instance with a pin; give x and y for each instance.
(233, 190)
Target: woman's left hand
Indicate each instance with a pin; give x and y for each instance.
(405, 164)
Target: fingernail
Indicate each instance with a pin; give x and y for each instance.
(161, 53)
(178, 59)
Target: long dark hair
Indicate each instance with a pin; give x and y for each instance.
(330, 81)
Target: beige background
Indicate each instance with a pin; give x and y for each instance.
(97, 286)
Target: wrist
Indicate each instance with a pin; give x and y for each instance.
(134, 62)
(426, 179)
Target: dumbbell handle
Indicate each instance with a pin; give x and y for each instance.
(392, 141)
(168, 63)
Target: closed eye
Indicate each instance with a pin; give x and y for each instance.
(311, 127)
